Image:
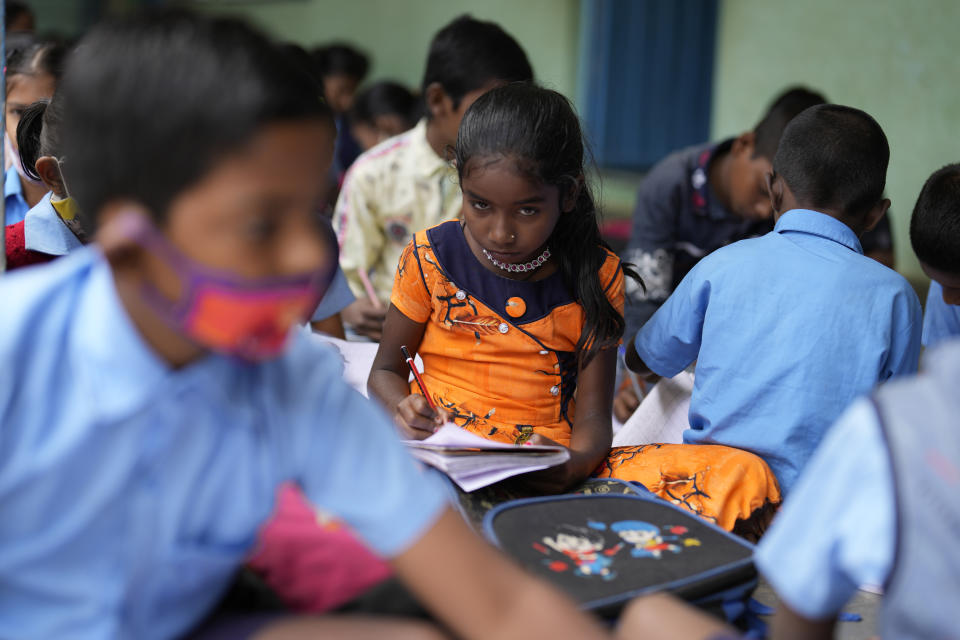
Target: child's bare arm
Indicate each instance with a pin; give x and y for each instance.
(592, 428)
(390, 372)
(664, 617)
(478, 593)
(790, 625)
(636, 364)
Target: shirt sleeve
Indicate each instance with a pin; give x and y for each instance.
(410, 294)
(904, 358)
(357, 223)
(670, 340)
(652, 241)
(836, 530)
(940, 320)
(335, 299)
(351, 463)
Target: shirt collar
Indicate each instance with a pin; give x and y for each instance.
(818, 224)
(44, 231)
(702, 198)
(426, 160)
(11, 183)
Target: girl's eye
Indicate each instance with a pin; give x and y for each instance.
(529, 211)
(479, 205)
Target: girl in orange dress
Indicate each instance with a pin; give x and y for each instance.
(517, 310)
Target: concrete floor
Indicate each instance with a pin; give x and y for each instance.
(863, 603)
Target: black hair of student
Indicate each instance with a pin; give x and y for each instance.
(935, 224)
(340, 59)
(13, 10)
(538, 130)
(385, 98)
(154, 100)
(38, 133)
(467, 54)
(834, 157)
(36, 57)
(302, 58)
(782, 110)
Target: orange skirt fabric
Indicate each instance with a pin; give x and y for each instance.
(732, 488)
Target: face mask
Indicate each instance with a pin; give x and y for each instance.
(67, 209)
(249, 319)
(14, 156)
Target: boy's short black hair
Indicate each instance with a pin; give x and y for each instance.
(467, 54)
(340, 59)
(153, 101)
(935, 224)
(834, 157)
(782, 110)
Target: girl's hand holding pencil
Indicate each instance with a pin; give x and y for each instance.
(417, 415)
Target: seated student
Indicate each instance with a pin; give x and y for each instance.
(32, 74)
(406, 184)
(895, 459)
(935, 236)
(383, 110)
(341, 69)
(695, 201)
(787, 329)
(51, 228)
(183, 398)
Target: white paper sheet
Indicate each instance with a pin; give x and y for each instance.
(474, 462)
(662, 416)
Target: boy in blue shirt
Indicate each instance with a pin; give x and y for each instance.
(935, 236)
(897, 457)
(789, 328)
(154, 389)
(695, 201)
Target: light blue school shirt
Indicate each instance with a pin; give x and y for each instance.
(940, 320)
(787, 330)
(44, 230)
(130, 492)
(337, 297)
(836, 531)
(15, 205)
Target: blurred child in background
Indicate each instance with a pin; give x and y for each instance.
(383, 110)
(32, 74)
(935, 236)
(406, 183)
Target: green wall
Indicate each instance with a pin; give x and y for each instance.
(396, 33)
(896, 60)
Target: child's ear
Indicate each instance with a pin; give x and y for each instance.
(49, 170)
(570, 196)
(775, 186)
(438, 102)
(744, 143)
(874, 215)
(117, 225)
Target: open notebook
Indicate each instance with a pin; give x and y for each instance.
(474, 462)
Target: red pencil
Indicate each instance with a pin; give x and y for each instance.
(416, 375)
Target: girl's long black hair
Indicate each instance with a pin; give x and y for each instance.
(538, 129)
(38, 134)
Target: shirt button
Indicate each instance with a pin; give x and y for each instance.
(555, 390)
(460, 295)
(504, 327)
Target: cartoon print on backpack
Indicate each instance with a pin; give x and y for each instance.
(647, 539)
(583, 547)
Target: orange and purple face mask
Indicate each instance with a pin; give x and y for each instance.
(246, 318)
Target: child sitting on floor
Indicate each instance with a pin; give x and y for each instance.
(935, 236)
(183, 392)
(517, 311)
(787, 329)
